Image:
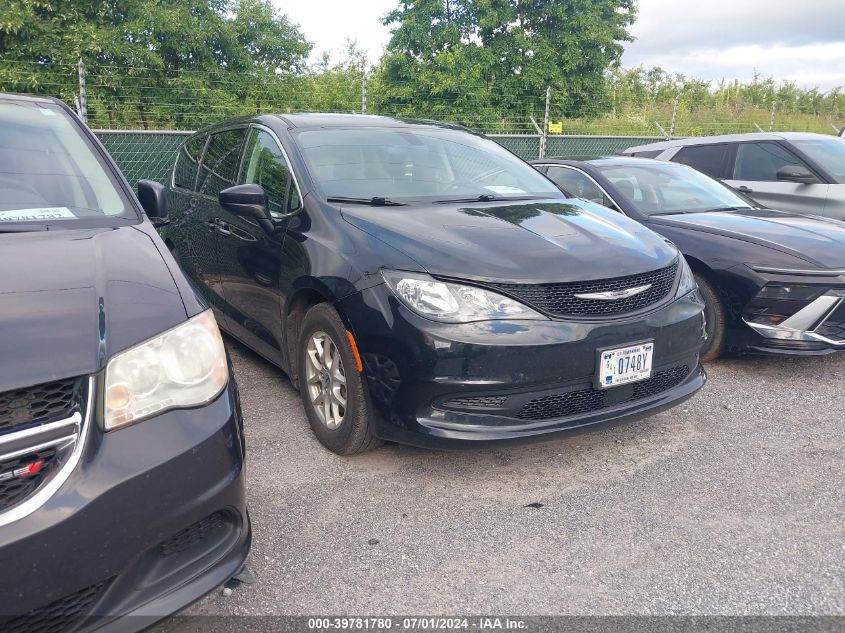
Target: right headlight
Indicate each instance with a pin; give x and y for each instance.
(687, 283)
(453, 302)
(183, 367)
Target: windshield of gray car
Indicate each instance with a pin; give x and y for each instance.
(829, 154)
(657, 188)
(425, 162)
(50, 174)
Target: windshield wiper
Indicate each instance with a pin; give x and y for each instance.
(23, 228)
(737, 208)
(484, 197)
(375, 201)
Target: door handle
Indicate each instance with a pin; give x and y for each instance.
(223, 229)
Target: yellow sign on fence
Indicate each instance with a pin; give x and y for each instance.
(555, 128)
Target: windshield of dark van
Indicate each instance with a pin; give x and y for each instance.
(422, 162)
(49, 174)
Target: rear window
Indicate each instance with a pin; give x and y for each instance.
(50, 173)
(709, 159)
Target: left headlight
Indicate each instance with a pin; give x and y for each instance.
(687, 283)
(453, 302)
(183, 367)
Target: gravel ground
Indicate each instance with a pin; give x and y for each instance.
(730, 504)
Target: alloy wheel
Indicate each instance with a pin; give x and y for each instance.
(326, 379)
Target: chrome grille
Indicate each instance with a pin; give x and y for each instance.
(560, 300)
(43, 444)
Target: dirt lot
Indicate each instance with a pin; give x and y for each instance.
(732, 503)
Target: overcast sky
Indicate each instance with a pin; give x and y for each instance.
(713, 39)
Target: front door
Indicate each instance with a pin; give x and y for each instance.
(252, 256)
(755, 174)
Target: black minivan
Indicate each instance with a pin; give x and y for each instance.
(421, 284)
(121, 441)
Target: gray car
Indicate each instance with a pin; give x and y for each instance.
(799, 172)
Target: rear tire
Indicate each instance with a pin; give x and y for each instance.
(714, 313)
(330, 385)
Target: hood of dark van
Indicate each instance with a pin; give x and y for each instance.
(820, 241)
(69, 300)
(531, 241)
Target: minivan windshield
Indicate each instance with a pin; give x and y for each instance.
(49, 174)
(829, 154)
(406, 163)
(660, 188)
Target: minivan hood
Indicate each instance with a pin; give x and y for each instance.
(533, 241)
(70, 299)
(820, 241)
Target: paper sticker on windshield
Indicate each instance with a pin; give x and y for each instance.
(504, 189)
(36, 215)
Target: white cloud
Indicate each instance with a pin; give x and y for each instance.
(718, 39)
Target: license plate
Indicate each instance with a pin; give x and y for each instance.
(625, 365)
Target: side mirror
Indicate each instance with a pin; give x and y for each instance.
(796, 173)
(153, 198)
(249, 201)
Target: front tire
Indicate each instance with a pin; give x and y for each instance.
(330, 385)
(714, 313)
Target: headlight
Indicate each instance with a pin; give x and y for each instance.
(687, 283)
(791, 292)
(452, 302)
(184, 367)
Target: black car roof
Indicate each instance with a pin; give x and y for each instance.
(11, 96)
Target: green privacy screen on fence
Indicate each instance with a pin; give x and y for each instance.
(150, 155)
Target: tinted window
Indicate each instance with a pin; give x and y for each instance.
(707, 158)
(220, 163)
(417, 162)
(576, 183)
(658, 187)
(264, 164)
(50, 172)
(761, 161)
(187, 163)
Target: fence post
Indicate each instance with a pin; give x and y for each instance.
(674, 117)
(772, 117)
(545, 131)
(364, 93)
(83, 94)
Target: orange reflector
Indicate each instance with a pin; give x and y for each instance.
(355, 351)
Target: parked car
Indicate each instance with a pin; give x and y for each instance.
(804, 173)
(772, 280)
(121, 446)
(421, 284)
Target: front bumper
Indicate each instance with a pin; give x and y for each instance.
(443, 385)
(151, 519)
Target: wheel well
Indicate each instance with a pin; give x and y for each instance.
(301, 302)
(699, 267)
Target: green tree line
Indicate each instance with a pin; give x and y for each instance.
(484, 63)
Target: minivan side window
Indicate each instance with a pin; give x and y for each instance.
(187, 162)
(709, 159)
(264, 164)
(219, 166)
(761, 161)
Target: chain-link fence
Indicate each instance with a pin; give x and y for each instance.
(151, 154)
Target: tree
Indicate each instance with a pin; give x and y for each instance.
(148, 61)
(489, 62)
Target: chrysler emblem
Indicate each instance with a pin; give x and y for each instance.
(613, 295)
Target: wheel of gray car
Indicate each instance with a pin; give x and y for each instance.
(714, 313)
(331, 386)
